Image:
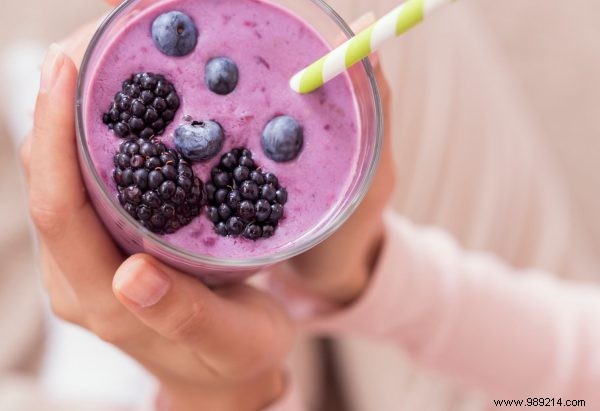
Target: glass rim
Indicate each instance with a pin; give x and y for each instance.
(232, 263)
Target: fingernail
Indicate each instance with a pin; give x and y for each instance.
(53, 62)
(142, 283)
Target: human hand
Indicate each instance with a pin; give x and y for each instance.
(210, 349)
(338, 270)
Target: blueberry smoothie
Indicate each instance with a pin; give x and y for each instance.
(192, 127)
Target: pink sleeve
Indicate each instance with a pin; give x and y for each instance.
(511, 333)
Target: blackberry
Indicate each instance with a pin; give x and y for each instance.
(156, 186)
(242, 199)
(144, 107)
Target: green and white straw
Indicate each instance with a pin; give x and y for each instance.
(393, 24)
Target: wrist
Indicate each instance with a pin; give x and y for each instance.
(359, 274)
(251, 395)
(344, 272)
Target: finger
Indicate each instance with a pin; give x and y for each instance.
(229, 328)
(63, 300)
(59, 207)
(25, 152)
(113, 2)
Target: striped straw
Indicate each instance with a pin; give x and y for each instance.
(393, 24)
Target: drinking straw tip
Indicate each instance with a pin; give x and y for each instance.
(295, 82)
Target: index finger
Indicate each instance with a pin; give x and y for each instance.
(59, 206)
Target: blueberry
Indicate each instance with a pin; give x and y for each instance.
(174, 33)
(221, 75)
(282, 139)
(199, 141)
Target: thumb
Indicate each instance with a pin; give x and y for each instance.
(233, 329)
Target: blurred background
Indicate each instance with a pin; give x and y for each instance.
(504, 99)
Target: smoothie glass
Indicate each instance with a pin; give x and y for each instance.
(218, 271)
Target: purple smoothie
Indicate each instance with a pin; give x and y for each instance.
(269, 45)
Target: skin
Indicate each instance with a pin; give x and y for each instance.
(225, 348)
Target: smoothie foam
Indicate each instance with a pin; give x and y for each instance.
(269, 45)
